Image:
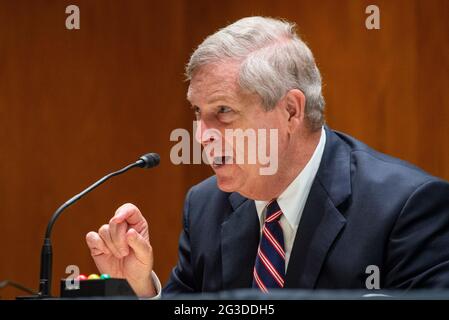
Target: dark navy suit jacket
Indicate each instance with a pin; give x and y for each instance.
(364, 208)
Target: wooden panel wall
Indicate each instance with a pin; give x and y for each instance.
(75, 105)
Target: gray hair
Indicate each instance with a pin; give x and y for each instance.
(273, 60)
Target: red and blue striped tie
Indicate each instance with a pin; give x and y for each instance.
(269, 270)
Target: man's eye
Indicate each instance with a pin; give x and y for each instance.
(224, 109)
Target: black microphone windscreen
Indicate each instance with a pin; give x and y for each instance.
(150, 160)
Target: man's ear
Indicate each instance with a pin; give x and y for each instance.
(295, 106)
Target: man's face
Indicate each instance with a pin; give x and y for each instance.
(220, 104)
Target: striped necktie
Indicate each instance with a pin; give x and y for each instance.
(269, 269)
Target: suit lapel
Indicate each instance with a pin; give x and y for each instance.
(320, 225)
(239, 241)
(321, 221)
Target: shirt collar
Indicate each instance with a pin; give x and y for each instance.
(293, 199)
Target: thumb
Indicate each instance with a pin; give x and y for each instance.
(141, 247)
(96, 244)
(102, 256)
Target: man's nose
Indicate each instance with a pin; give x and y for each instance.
(205, 134)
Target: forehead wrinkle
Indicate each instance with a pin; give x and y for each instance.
(210, 81)
(221, 77)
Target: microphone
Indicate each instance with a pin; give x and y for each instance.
(146, 161)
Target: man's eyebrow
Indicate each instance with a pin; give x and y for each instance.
(217, 98)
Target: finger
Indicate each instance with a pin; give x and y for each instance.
(132, 215)
(96, 244)
(106, 237)
(141, 247)
(118, 236)
(129, 213)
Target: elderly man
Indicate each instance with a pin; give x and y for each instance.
(333, 211)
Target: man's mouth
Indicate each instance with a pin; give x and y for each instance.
(221, 161)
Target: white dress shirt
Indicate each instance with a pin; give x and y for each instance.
(293, 199)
